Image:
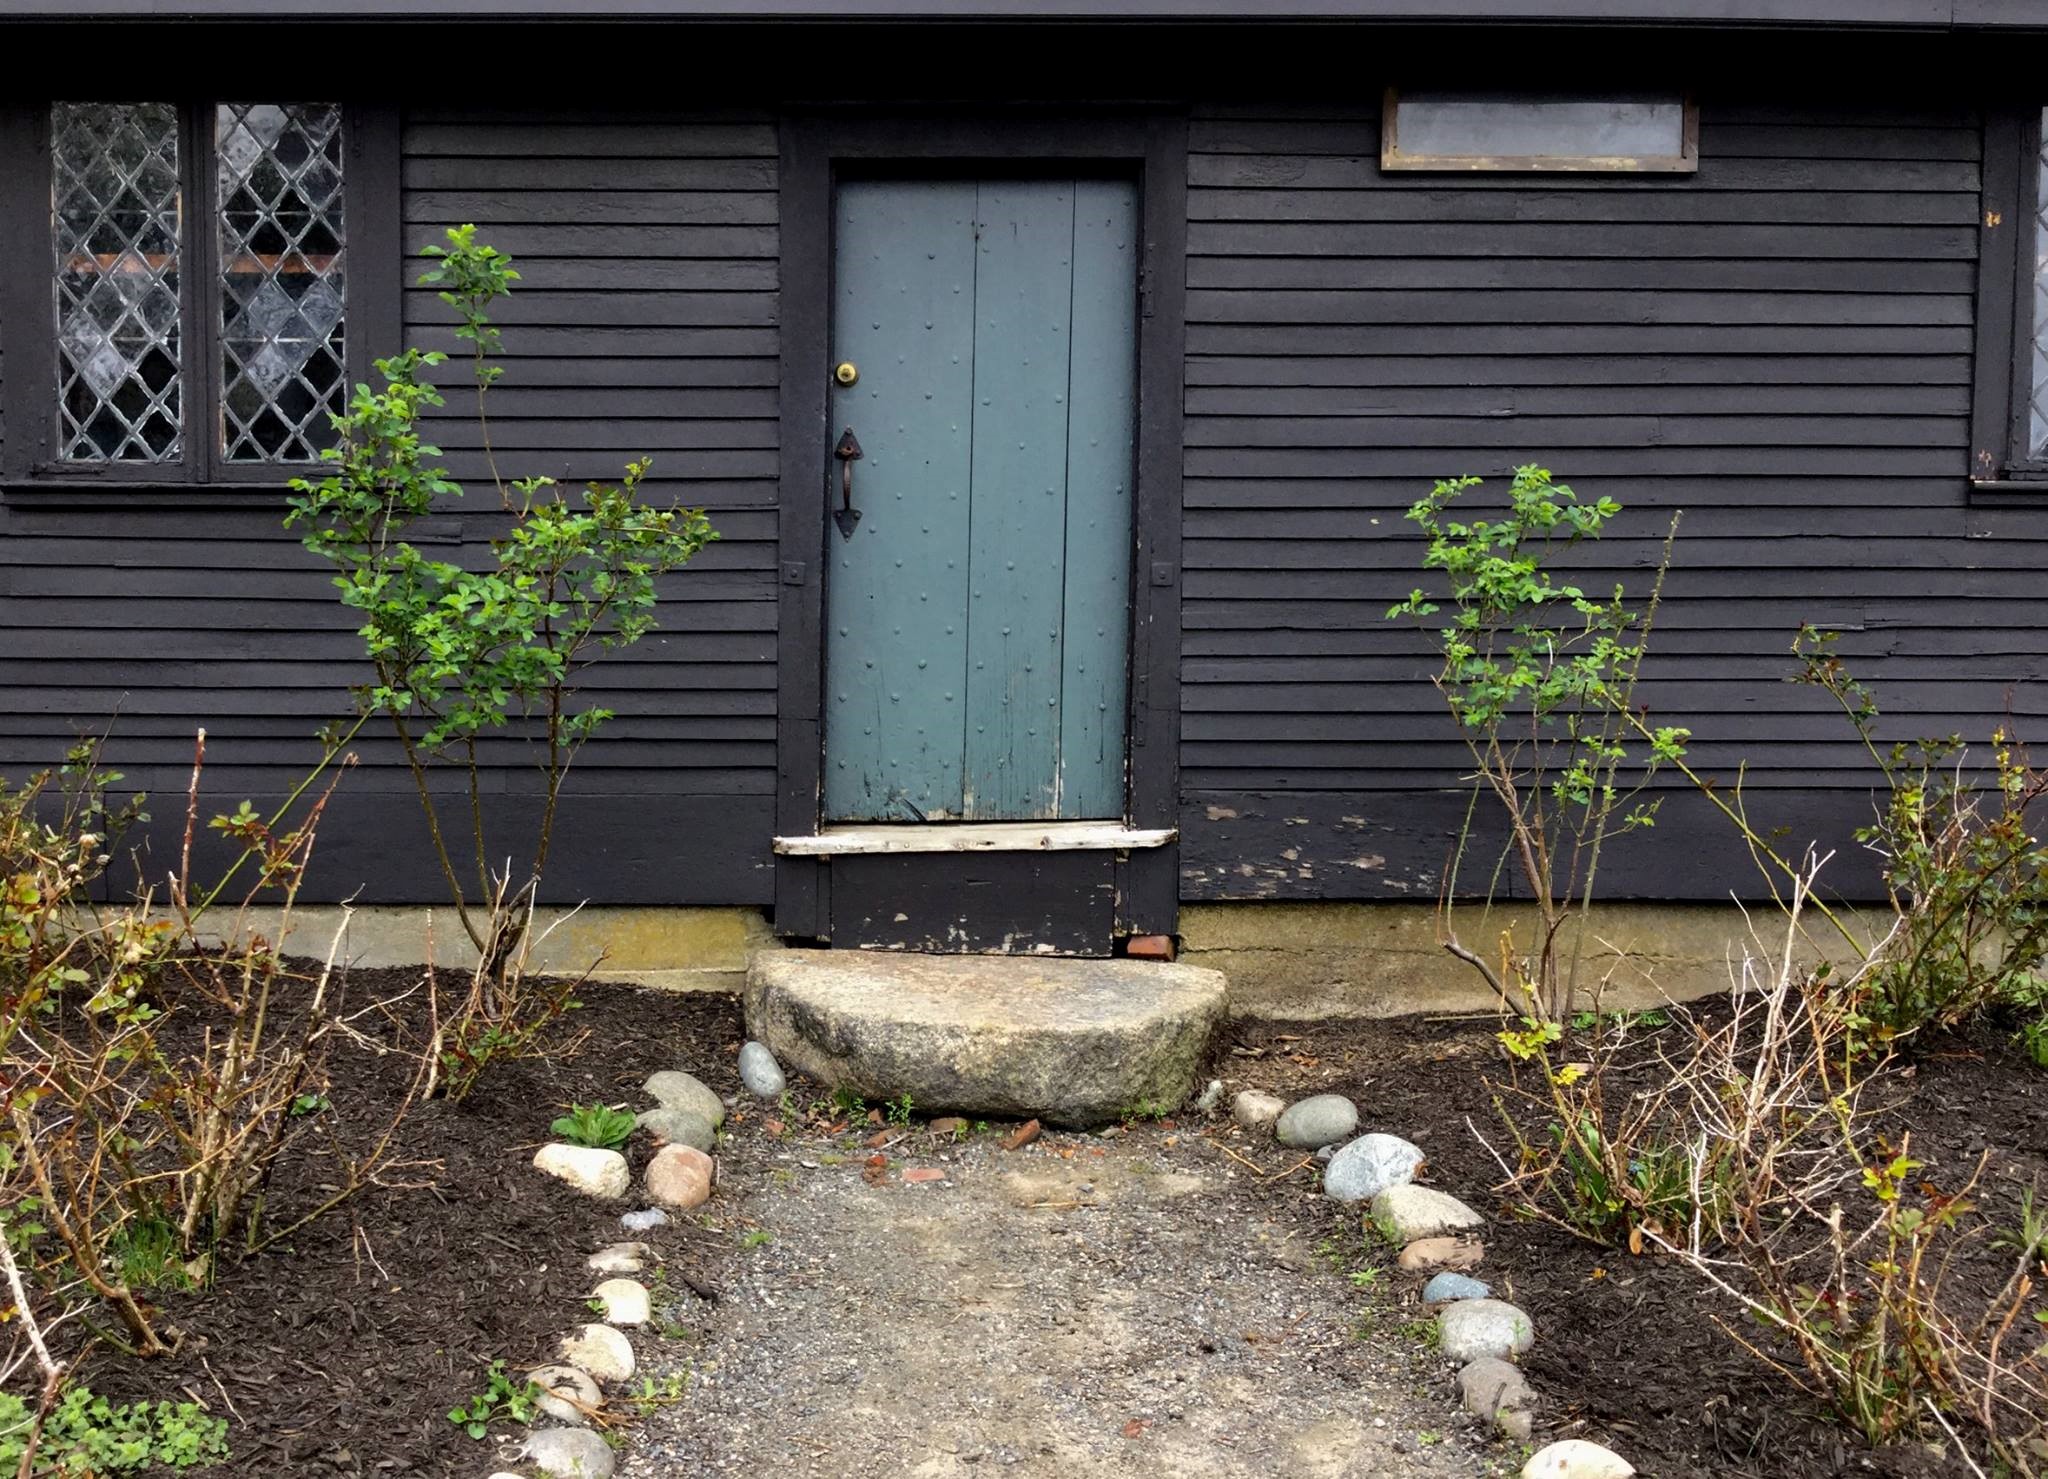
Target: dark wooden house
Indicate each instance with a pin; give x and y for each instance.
(1148, 317)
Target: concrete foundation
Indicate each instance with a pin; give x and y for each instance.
(675, 949)
(1300, 962)
(1287, 962)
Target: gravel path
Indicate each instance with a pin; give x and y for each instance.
(1083, 1306)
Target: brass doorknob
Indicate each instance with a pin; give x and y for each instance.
(847, 372)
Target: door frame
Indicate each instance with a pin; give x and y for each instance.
(817, 148)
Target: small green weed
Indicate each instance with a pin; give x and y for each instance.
(757, 1238)
(87, 1435)
(598, 1126)
(1365, 1278)
(305, 1104)
(2028, 1241)
(1423, 1332)
(900, 1109)
(500, 1398)
(655, 1393)
(146, 1251)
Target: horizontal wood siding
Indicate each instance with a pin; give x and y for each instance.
(644, 324)
(1779, 346)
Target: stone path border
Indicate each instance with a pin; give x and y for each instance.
(679, 1177)
(1440, 1236)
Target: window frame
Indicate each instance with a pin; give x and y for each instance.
(1685, 162)
(28, 340)
(2000, 456)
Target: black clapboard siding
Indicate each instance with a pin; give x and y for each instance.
(1779, 346)
(644, 324)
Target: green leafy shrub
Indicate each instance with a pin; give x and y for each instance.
(85, 1435)
(1965, 875)
(461, 654)
(596, 1125)
(1540, 678)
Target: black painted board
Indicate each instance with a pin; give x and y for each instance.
(1060, 903)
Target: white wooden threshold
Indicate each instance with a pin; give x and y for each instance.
(974, 837)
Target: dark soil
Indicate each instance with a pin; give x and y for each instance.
(341, 1354)
(1628, 1348)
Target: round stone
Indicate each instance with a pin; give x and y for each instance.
(760, 1072)
(1367, 1166)
(1425, 1254)
(1211, 1098)
(1575, 1458)
(1447, 1287)
(619, 1258)
(680, 1177)
(1472, 1328)
(600, 1350)
(625, 1301)
(594, 1172)
(641, 1221)
(677, 1127)
(571, 1453)
(1322, 1120)
(1495, 1391)
(566, 1394)
(674, 1089)
(1255, 1111)
(1405, 1213)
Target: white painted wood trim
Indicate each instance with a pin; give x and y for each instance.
(975, 837)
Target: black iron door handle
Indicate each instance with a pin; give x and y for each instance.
(848, 453)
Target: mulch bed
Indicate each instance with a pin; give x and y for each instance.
(1628, 1351)
(341, 1354)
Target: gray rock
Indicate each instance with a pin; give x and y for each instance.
(619, 1258)
(1445, 1288)
(1406, 1213)
(1493, 1389)
(571, 1453)
(678, 1127)
(643, 1220)
(1068, 1041)
(1472, 1328)
(594, 1172)
(1322, 1120)
(1369, 1165)
(760, 1072)
(1327, 1154)
(1256, 1111)
(674, 1089)
(566, 1394)
(1575, 1458)
(1212, 1097)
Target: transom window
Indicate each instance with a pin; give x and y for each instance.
(270, 249)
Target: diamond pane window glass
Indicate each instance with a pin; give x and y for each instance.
(2037, 400)
(283, 279)
(116, 216)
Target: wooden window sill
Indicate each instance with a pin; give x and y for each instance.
(974, 837)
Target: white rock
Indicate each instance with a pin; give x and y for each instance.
(1367, 1166)
(566, 1394)
(1473, 1328)
(600, 1350)
(571, 1453)
(597, 1173)
(1211, 1098)
(625, 1301)
(673, 1089)
(760, 1072)
(619, 1258)
(1256, 1111)
(1405, 1213)
(642, 1221)
(507, 1474)
(1575, 1458)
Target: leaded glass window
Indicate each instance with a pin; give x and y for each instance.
(282, 278)
(2037, 400)
(117, 202)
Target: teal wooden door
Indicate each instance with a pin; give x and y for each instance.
(978, 613)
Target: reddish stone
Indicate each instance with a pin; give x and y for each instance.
(680, 1176)
(1022, 1136)
(952, 1124)
(1426, 1255)
(1149, 947)
(924, 1173)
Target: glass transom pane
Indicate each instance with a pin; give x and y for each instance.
(283, 281)
(2037, 399)
(116, 216)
